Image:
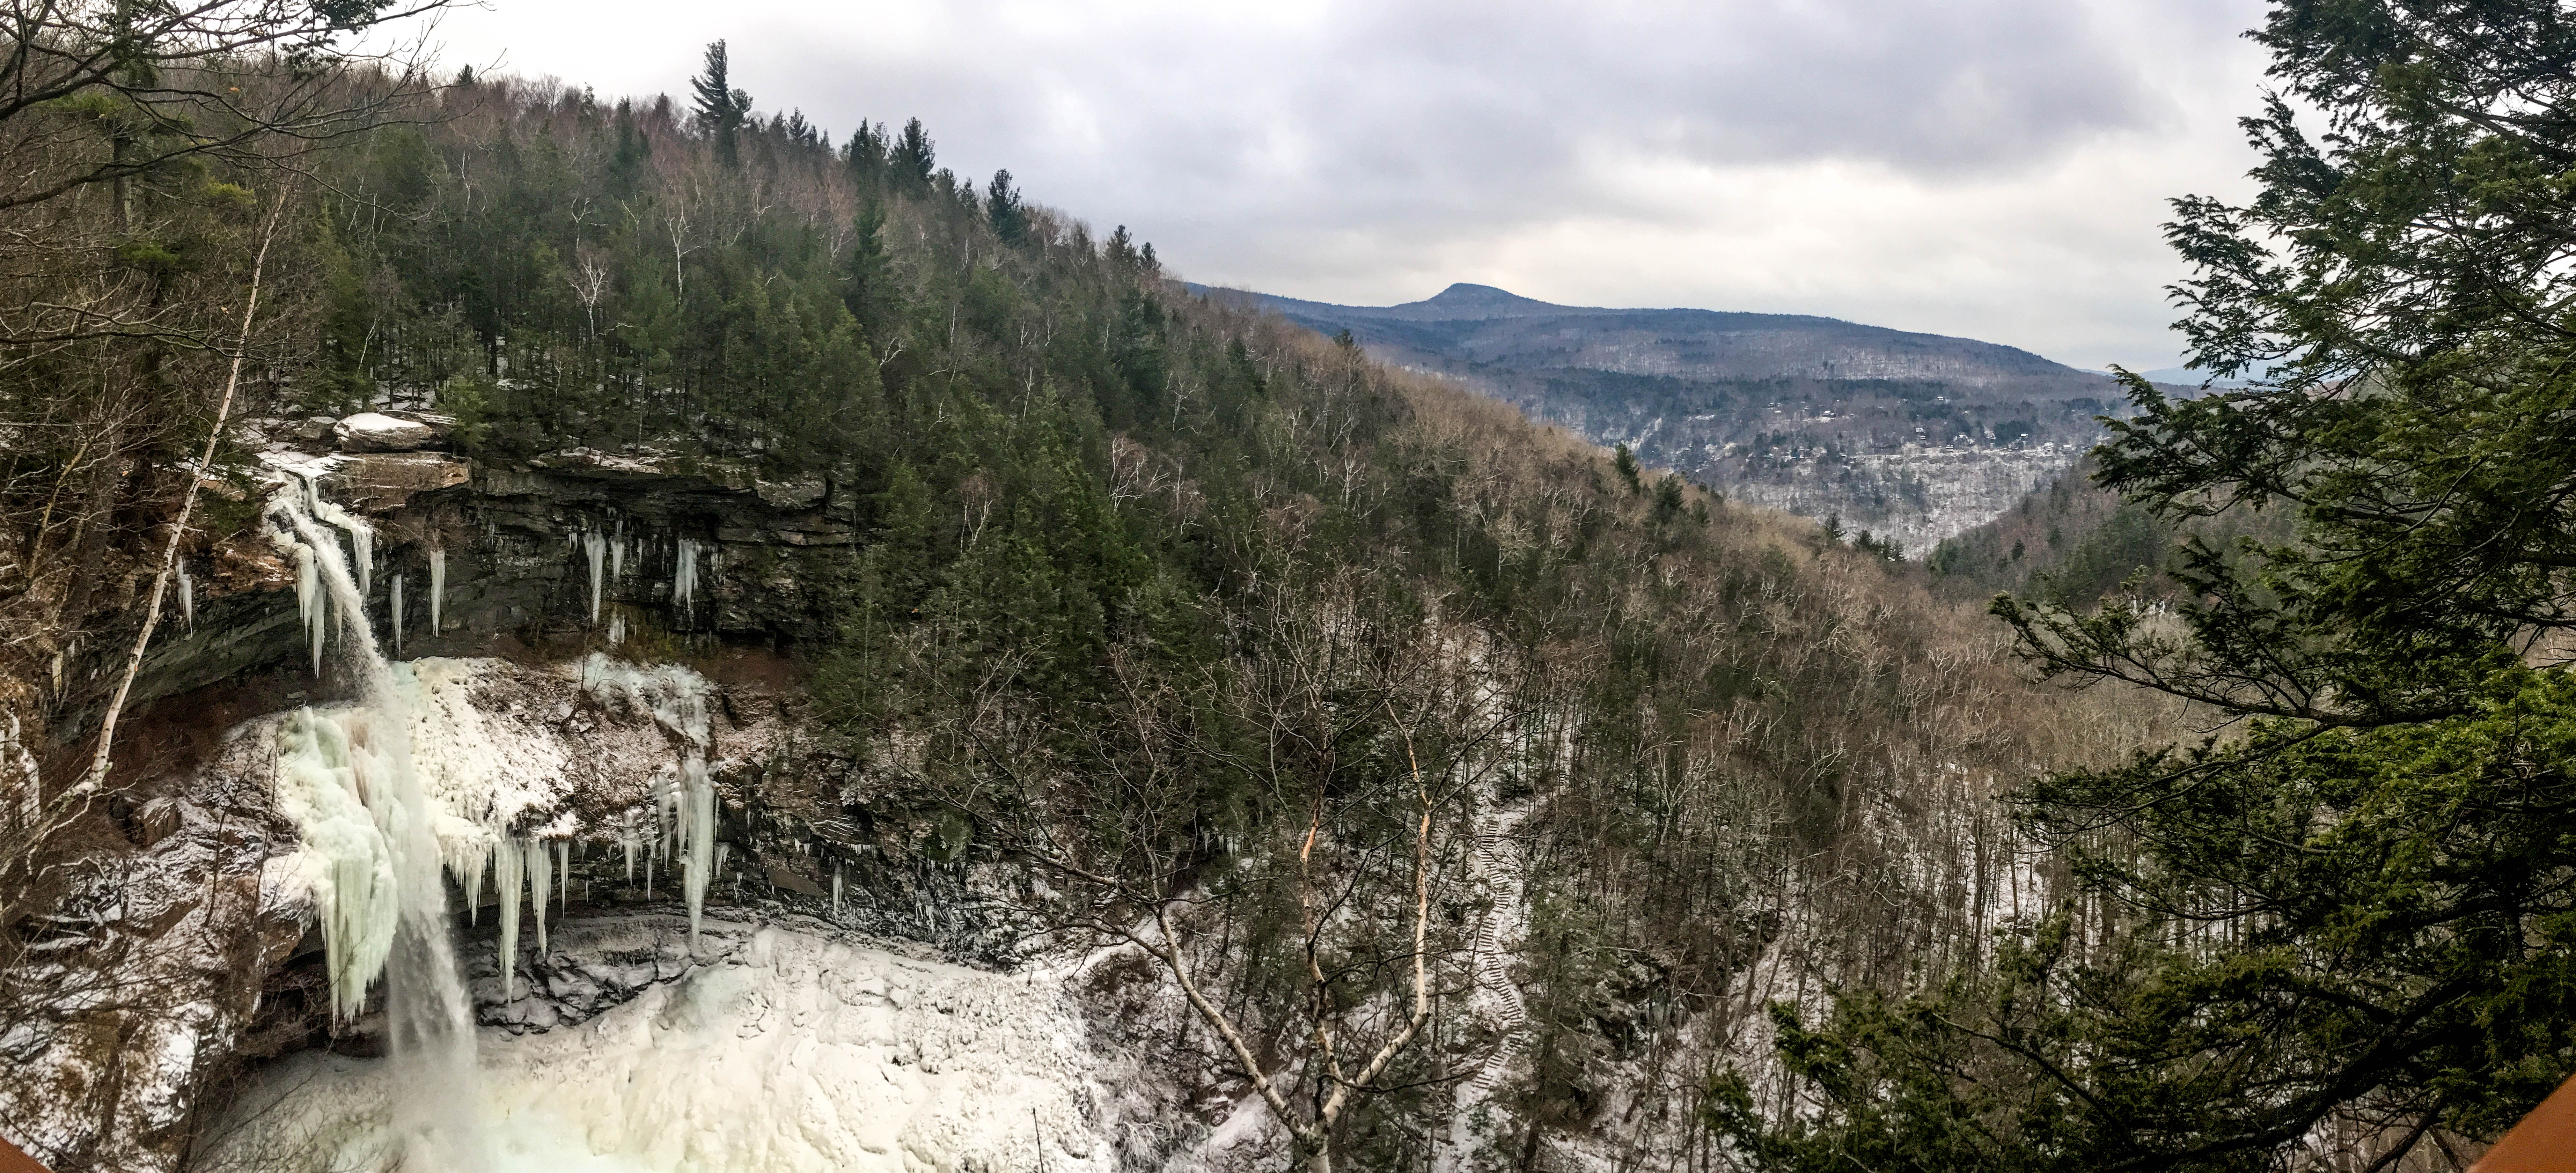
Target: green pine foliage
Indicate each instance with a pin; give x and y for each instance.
(2341, 933)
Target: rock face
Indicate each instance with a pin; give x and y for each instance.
(580, 545)
(186, 955)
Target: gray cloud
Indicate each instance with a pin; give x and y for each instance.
(1986, 167)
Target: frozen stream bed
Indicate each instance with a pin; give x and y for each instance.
(791, 1052)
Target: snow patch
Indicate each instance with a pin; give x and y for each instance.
(797, 1053)
(370, 431)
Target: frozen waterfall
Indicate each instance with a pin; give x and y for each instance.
(371, 853)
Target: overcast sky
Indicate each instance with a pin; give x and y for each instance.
(1989, 168)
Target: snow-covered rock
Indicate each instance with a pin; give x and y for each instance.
(371, 431)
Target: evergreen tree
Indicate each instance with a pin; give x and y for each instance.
(868, 288)
(913, 157)
(1002, 206)
(866, 152)
(720, 107)
(2354, 914)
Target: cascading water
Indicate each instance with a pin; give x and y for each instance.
(347, 777)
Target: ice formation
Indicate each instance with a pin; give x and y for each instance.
(594, 546)
(370, 848)
(187, 597)
(677, 699)
(540, 862)
(684, 578)
(412, 778)
(325, 770)
(310, 606)
(362, 537)
(509, 872)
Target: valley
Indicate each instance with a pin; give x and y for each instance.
(1913, 437)
(543, 630)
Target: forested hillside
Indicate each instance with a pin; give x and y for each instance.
(1187, 617)
(2073, 541)
(1913, 437)
(1367, 774)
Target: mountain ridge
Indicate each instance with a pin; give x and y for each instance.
(1913, 435)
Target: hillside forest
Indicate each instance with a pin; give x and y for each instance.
(1248, 656)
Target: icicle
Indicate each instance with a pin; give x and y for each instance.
(187, 597)
(701, 829)
(509, 871)
(626, 839)
(310, 605)
(684, 581)
(595, 548)
(616, 627)
(437, 585)
(617, 552)
(677, 698)
(475, 865)
(398, 615)
(836, 891)
(563, 868)
(323, 778)
(540, 862)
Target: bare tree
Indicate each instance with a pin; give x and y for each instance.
(1304, 938)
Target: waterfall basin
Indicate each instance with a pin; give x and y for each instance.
(791, 1051)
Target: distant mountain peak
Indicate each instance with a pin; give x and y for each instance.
(1467, 301)
(1465, 298)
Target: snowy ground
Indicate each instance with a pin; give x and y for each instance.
(793, 1052)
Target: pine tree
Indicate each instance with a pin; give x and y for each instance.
(721, 108)
(866, 152)
(1002, 206)
(913, 157)
(867, 279)
(2351, 914)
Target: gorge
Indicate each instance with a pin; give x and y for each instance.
(704, 645)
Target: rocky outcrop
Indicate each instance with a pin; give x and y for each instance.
(377, 431)
(582, 548)
(180, 953)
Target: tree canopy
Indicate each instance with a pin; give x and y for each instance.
(2342, 924)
